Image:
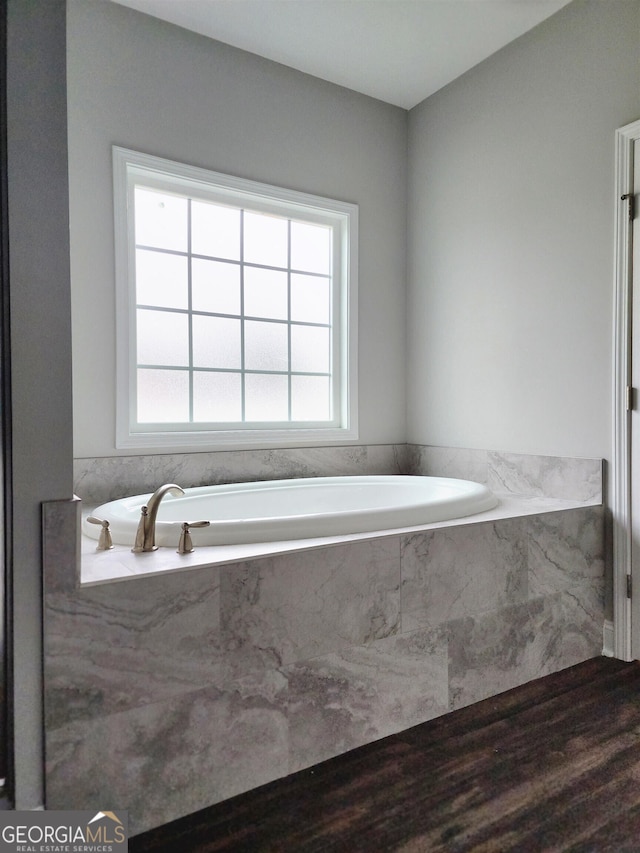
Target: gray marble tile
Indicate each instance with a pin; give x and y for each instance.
(566, 550)
(343, 700)
(579, 621)
(106, 478)
(461, 571)
(163, 761)
(548, 476)
(284, 609)
(61, 544)
(166, 694)
(498, 651)
(458, 462)
(118, 646)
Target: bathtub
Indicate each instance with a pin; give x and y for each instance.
(304, 508)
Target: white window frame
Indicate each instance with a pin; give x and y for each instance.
(131, 167)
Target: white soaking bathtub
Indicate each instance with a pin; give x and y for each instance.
(276, 510)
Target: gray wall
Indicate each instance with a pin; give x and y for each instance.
(510, 211)
(511, 239)
(141, 83)
(41, 341)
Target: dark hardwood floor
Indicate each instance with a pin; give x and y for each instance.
(550, 766)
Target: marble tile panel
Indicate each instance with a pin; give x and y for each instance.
(164, 761)
(103, 479)
(566, 550)
(61, 544)
(548, 476)
(284, 609)
(119, 646)
(578, 619)
(462, 571)
(458, 462)
(497, 651)
(343, 700)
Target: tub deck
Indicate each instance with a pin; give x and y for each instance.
(120, 564)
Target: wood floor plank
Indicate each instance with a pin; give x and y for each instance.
(550, 766)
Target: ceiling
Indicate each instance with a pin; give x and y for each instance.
(399, 51)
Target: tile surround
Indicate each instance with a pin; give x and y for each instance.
(362, 693)
(548, 476)
(131, 644)
(447, 574)
(560, 477)
(567, 551)
(61, 544)
(300, 606)
(102, 479)
(172, 757)
(500, 650)
(448, 462)
(167, 693)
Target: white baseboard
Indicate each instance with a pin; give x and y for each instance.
(607, 639)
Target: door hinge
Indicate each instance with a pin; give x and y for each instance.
(630, 197)
(631, 398)
(629, 586)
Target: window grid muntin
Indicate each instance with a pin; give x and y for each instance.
(190, 308)
(289, 323)
(289, 389)
(243, 376)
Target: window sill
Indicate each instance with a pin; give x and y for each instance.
(177, 442)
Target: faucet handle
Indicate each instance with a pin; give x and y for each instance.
(105, 542)
(185, 545)
(139, 542)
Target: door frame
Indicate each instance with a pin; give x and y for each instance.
(622, 396)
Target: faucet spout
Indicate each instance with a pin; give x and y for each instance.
(146, 534)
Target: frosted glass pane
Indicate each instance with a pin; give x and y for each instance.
(266, 398)
(215, 230)
(161, 279)
(265, 346)
(161, 220)
(265, 240)
(311, 247)
(310, 398)
(310, 349)
(163, 396)
(310, 299)
(163, 338)
(216, 342)
(217, 397)
(265, 293)
(215, 287)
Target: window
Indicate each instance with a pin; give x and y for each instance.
(235, 310)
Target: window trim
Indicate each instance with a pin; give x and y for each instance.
(127, 165)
